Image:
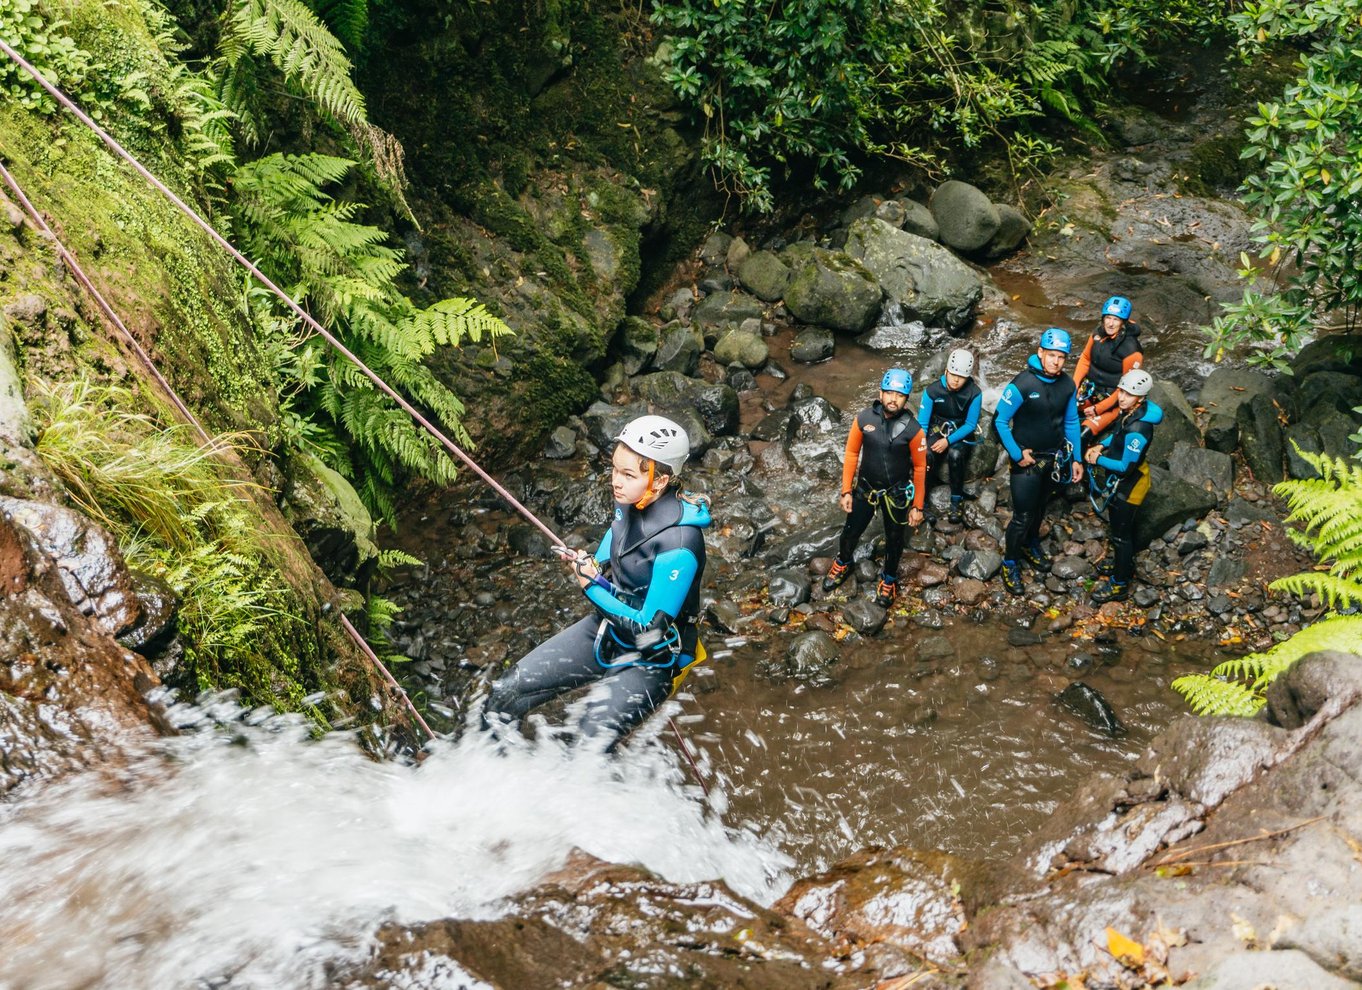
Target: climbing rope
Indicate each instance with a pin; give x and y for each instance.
(307, 318)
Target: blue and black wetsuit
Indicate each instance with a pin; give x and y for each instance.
(1128, 441)
(642, 637)
(1039, 413)
(954, 415)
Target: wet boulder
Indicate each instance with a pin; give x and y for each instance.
(1260, 438)
(1300, 692)
(668, 393)
(636, 344)
(1178, 425)
(765, 276)
(155, 625)
(1226, 389)
(864, 616)
(1209, 470)
(84, 557)
(678, 349)
(810, 658)
(719, 308)
(1170, 502)
(817, 412)
(741, 347)
(603, 422)
(831, 289)
(812, 345)
(967, 219)
(929, 282)
(904, 897)
(917, 219)
(981, 565)
(789, 587)
(1088, 704)
(778, 426)
(1013, 228)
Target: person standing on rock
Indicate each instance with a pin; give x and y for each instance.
(949, 414)
(1128, 441)
(885, 467)
(1037, 422)
(642, 639)
(1112, 350)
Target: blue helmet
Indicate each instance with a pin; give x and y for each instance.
(1118, 306)
(1055, 339)
(897, 380)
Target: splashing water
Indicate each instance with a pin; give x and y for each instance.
(255, 857)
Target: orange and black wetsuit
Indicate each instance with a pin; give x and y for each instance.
(885, 466)
(1104, 360)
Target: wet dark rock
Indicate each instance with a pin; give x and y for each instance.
(1069, 568)
(724, 616)
(1178, 426)
(1013, 228)
(1260, 438)
(903, 897)
(1017, 636)
(156, 620)
(809, 657)
(1303, 690)
(1170, 501)
(789, 587)
(926, 280)
(85, 557)
(777, 427)
(1240, 512)
(561, 444)
(1227, 388)
(1219, 604)
(929, 618)
(1088, 704)
(1192, 542)
(671, 393)
(528, 541)
(740, 379)
(678, 349)
(636, 344)
(1207, 469)
(968, 591)
(603, 422)
(723, 307)
(1222, 432)
(812, 345)
(988, 668)
(764, 275)
(935, 648)
(981, 565)
(817, 412)
(1080, 663)
(864, 616)
(585, 503)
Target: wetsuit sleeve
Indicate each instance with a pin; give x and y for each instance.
(1132, 362)
(1008, 404)
(1073, 426)
(852, 456)
(673, 573)
(1131, 454)
(919, 451)
(924, 411)
(1084, 363)
(1107, 404)
(971, 421)
(602, 554)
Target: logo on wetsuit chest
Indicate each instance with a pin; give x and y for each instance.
(619, 513)
(869, 428)
(1034, 395)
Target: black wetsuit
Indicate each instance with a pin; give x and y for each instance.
(642, 637)
(890, 474)
(953, 415)
(1038, 413)
(1129, 440)
(1107, 357)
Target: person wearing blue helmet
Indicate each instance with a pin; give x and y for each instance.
(885, 467)
(1111, 351)
(1037, 422)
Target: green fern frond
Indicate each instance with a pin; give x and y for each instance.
(1207, 695)
(1335, 591)
(347, 19)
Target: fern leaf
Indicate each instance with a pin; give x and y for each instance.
(1207, 695)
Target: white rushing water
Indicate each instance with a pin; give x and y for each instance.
(255, 854)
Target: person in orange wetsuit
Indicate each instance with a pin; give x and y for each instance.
(886, 468)
(1112, 350)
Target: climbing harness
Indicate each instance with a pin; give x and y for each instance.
(945, 428)
(1086, 391)
(63, 100)
(1100, 495)
(892, 503)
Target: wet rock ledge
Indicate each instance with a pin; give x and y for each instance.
(1229, 855)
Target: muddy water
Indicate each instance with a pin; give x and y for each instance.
(967, 752)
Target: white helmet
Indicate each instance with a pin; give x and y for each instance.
(1137, 382)
(659, 439)
(960, 362)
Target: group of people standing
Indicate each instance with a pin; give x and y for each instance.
(1053, 428)
(643, 579)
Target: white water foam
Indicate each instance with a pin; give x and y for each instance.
(254, 854)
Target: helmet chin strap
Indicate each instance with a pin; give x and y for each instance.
(649, 496)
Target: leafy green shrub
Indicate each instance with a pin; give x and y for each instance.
(344, 273)
(1307, 192)
(1330, 506)
(178, 514)
(805, 83)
